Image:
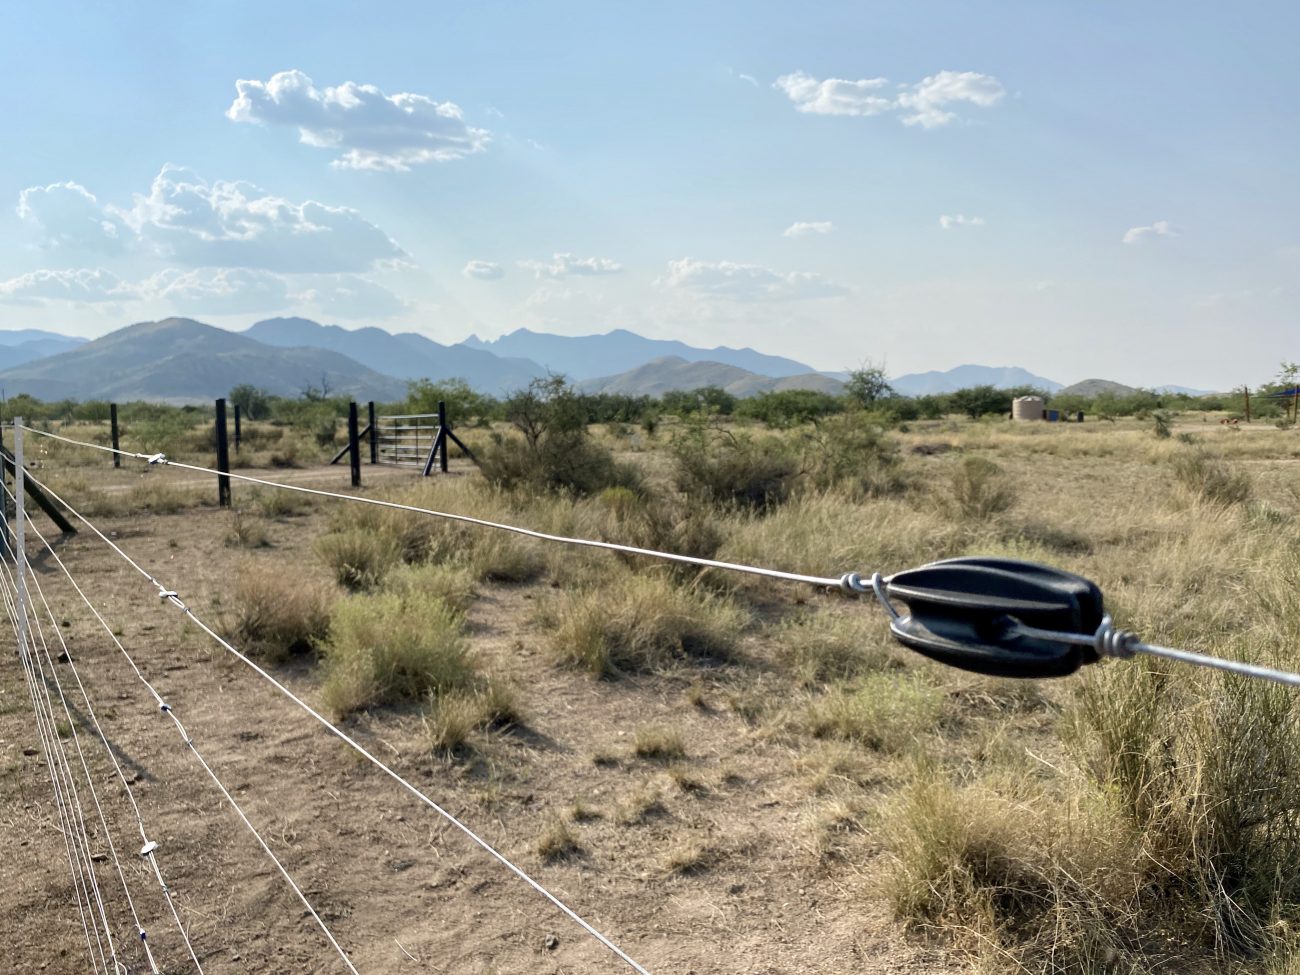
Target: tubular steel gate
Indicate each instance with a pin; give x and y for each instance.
(406, 440)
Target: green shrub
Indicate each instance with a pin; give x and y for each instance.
(853, 453)
(735, 470)
(358, 557)
(383, 648)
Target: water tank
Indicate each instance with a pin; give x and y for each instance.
(1027, 408)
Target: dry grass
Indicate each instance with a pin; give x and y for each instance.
(456, 714)
(275, 610)
(659, 744)
(641, 623)
(884, 712)
(358, 557)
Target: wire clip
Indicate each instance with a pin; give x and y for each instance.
(156, 459)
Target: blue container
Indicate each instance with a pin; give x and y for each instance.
(1053, 416)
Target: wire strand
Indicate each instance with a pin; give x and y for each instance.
(189, 743)
(173, 597)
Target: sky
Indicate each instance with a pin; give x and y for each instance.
(1082, 189)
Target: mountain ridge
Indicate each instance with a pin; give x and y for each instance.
(672, 373)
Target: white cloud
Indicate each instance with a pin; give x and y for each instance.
(349, 296)
(374, 131)
(218, 291)
(564, 265)
(236, 224)
(80, 285)
(1160, 228)
(947, 222)
(926, 103)
(747, 282)
(802, 228)
(69, 215)
(483, 270)
(835, 96)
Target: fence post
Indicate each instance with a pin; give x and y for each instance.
(112, 420)
(354, 446)
(237, 431)
(223, 457)
(20, 549)
(374, 432)
(442, 436)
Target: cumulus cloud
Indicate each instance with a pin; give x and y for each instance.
(79, 285)
(802, 228)
(372, 130)
(349, 296)
(236, 224)
(747, 282)
(69, 215)
(835, 96)
(928, 103)
(218, 291)
(947, 221)
(565, 265)
(1160, 228)
(483, 270)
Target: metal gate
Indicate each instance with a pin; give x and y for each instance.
(406, 440)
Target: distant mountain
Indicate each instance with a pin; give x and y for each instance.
(22, 345)
(1097, 387)
(1185, 391)
(179, 360)
(963, 377)
(406, 356)
(590, 356)
(672, 372)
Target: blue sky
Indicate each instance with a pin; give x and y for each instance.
(1087, 189)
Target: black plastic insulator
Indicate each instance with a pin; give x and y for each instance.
(972, 613)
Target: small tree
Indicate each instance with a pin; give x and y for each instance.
(867, 386)
(253, 403)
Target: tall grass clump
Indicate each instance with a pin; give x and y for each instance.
(980, 489)
(885, 712)
(818, 649)
(275, 610)
(854, 455)
(382, 648)
(640, 623)
(1210, 478)
(359, 558)
(1206, 769)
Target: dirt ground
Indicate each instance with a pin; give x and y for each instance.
(401, 890)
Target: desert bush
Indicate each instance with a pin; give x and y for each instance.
(282, 504)
(854, 454)
(1208, 477)
(382, 648)
(980, 488)
(274, 610)
(640, 623)
(735, 470)
(452, 585)
(246, 532)
(358, 558)
(653, 522)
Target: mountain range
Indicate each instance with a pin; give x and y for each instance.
(179, 360)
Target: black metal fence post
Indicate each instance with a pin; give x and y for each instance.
(223, 457)
(374, 432)
(442, 436)
(112, 421)
(238, 438)
(354, 445)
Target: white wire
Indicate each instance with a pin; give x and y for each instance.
(76, 858)
(65, 829)
(172, 597)
(838, 582)
(148, 850)
(85, 766)
(189, 742)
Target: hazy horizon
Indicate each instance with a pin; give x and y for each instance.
(1091, 191)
